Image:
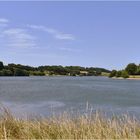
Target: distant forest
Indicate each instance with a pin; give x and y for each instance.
(23, 70)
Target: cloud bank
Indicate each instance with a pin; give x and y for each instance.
(18, 37)
(55, 33)
(21, 36)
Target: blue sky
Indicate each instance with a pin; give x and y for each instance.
(98, 34)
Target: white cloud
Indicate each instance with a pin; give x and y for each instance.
(3, 22)
(56, 34)
(69, 49)
(22, 37)
(17, 37)
(65, 36)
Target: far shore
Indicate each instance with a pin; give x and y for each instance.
(130, 78)
(133, 78)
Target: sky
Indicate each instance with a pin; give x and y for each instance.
(89, 34)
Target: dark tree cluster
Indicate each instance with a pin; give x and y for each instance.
(72, 70)
(131, 69)
(15, 70)
(22, 70)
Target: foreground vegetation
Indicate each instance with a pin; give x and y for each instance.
(22, 70)
(131, 71)
(92, 126)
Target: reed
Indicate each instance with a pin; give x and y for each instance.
(91, 126)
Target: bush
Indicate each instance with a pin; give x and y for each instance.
(5, 72)
(119, 73)
(37, 73)
(113, 73)
(124, 74)
(20, 72)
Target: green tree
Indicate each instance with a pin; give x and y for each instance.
(138, 70)
(5, 72)
(20, 72)
(98, 72)
(131, 68)
(124, 74)
(91, 72)
(74, 72)
(119, 73)
(1, 65)
(36, 73)
(113, 73)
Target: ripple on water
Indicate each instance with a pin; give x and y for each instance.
(31, 108)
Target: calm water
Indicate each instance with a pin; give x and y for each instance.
(44, 95)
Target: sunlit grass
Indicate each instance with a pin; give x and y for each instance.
(134, 76)
(91, 126)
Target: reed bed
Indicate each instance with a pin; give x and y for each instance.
(91, 126)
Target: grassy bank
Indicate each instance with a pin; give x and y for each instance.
(137, 77)
(93, 126)
(131, 77)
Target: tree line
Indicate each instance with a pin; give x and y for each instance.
(23, 70)
(130, 69)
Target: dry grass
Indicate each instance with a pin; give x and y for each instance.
(92, 126)
(134, 76)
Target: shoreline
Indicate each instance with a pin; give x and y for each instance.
(130, 78)
(133, 78)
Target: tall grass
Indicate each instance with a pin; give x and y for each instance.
(91, 126)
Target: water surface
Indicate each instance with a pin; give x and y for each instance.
(44, 95)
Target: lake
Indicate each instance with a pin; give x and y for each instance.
(44, 95)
